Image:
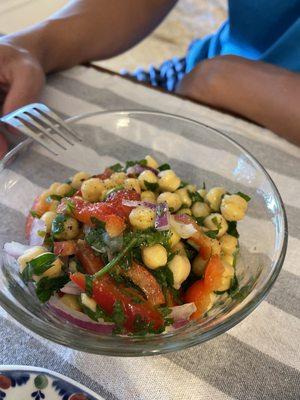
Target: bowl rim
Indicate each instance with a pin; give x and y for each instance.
(42, 327)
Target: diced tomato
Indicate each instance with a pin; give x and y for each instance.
(142, 278)
(84, 211)
(65, 248)
(214, 272)
(105, 175)
(89, 261)
(106, 293)
(199, 294)
(115, 199)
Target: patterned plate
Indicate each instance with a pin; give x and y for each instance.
(32, 383)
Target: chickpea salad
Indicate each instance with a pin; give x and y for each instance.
(133, 250)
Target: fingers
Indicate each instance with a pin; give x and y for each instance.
(25, 88)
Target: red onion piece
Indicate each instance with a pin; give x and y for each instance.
(71, 288)
(137, 169)
(162, 221)
(78, 318)
(15, 249)
(184, 230)
(133, 203)
(37, 228)
(183, 312)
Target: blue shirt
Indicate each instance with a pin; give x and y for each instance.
(266, 30)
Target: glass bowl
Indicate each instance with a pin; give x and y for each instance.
(197, 153)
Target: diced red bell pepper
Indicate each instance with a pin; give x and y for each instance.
(106, 294)
(115, 199)
(199, 294)
(89, 261)
(65, 248)
(84, 212)
(142, 278)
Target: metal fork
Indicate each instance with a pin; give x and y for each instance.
(43, 125)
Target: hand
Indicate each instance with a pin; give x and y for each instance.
(21, 77)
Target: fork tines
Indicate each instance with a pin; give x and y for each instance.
(42, 124)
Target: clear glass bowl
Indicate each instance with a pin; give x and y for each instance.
(197, 153)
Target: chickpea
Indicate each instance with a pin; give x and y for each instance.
(228, 244)
(133, 184)
(233, 207)
(154, 256)
(71, 230)
(53, 271)
(184, 196)
(142, 217)
(199, 265)
(92, 189)
(118, 178)
(181, 268)
(109, 184)
(227, 258)
(200, 209)
(29, 255)
(216, 221)
(71, 301)
(78, 179)
(190, 188)
(175, 238)
(172, 199)
(151, 162)
(148, 196)
(179, 248)
(88, 302)
(168, 181)
(186, 211)
(202, 193)
(53, 188)
(48, 218)
(63, 189)
(214, 197)
(215, 247)
(226, 277)
(147, 176)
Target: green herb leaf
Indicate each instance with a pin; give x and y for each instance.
(34, 214)
(217, 223)
(199, 220)
(151, 186)
(195, 197)
(53, 197)
(58, 224)
(232, 230)
(116, 167)
(212, 234)
(38, 266)
(234, 285)
(183, 184)
(69, 206)
(164, 276)
(115, 189)
(164, 167)
(47, 286)
(89, 285)
(118, 315)
(98, 314)
(244, 196)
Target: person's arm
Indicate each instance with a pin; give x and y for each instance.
(84, 30)
(260, 92)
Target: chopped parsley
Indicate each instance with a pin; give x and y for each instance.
(212, 234)
(53, 197)
(116, 167)
(89, 285)
(195, 197)
(58, 224)
(217, 223)
(34, 214)
(244, 196)
(96, 315)
(118, 315)
(151, 186)
(164, 167)
(164, 276)
(38, 266)
(232, 230)
(47, 286)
